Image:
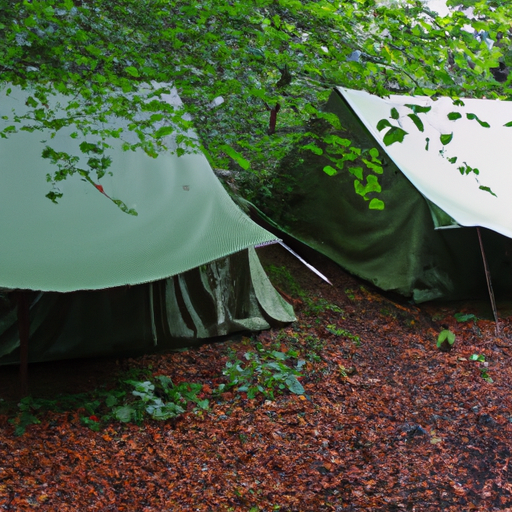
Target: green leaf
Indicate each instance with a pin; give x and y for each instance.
(313, 148)
(453, 116)
(132, 71)
(279, 355)
(294, 385)
(163, 131)
(394, 134)
(487, 189)
(124, 413)
(418, 109)
(257, 52)
(336, 140)
(466, 169)
(376, 168)
(165, 381)
(372, 185)
(203, 404)
(374, 153)
(417, 121)
(464, 317)
(446, 138)
(8, 129)
(376, 204)
(427, 143)
(472, 117)
(54, 196)
(236, 49)
(330, 171)
(357, 172)
(239, 159)
(110, 401)
(508, 125)
(30, 22)
(384, 123)
(122, 206)
(447, 335)
(87, 147)
(31, 102)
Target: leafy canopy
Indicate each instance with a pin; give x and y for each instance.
(253, 74)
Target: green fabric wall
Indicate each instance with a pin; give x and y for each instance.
(397, 248)
(217, 299)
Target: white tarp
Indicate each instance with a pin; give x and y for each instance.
(424, 159)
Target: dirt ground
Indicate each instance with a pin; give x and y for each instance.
(387, 421)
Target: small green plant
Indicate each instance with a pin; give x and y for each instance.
(350, 294)
(92, 422)
(264, 371)
(477, 357)
(343, 332)
(160, 400)
(465, 317)
(388, 313)
(483, 369)
(333, 330)
(314, 306)
(329, 306)
(343, 371)
(314, 347)
(131, 401)
(30, 409)
(445, 340)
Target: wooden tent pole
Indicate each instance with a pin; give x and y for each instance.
(489, 282)
(24, 333)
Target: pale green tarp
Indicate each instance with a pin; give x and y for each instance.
(399, 248)
(185, 217)
(116, 268)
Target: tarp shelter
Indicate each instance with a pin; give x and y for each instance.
(423, 243)
(106, 282)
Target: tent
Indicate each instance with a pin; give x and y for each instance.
(450, 174)
(101, 281)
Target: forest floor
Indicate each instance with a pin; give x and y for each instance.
(386, 421)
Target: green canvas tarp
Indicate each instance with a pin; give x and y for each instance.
(182, 269)
(423, 244)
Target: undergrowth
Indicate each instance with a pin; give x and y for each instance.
(264, 371)
(140, 395)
